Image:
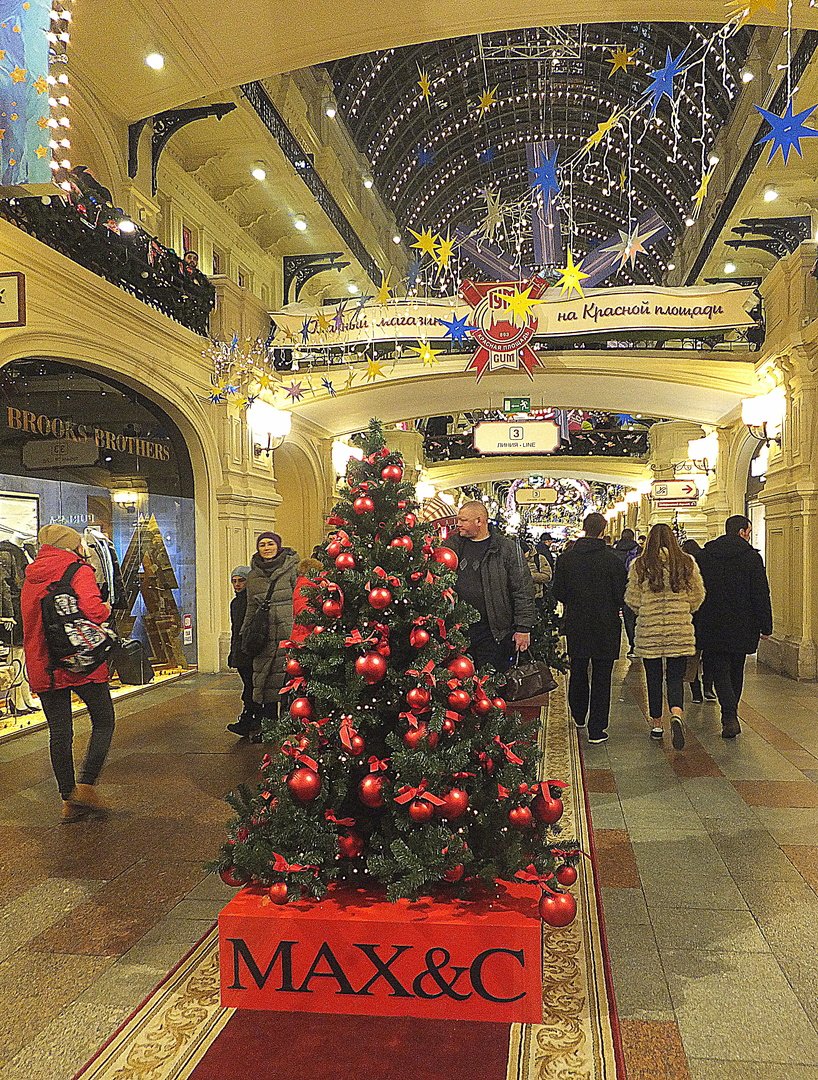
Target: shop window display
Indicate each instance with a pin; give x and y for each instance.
(78, 449)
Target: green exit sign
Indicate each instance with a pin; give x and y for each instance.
(517, 405)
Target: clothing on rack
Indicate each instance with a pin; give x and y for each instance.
(13, 563)
(103, 558)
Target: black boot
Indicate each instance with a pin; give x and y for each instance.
(244, 725)
(696, 691)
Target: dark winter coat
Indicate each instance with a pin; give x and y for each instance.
(12, 570)
(737, 609)
(627, 551)
(507, 586)
(268, 666)
(590, 582)
(238, 658)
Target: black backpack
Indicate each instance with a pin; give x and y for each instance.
(74, 641)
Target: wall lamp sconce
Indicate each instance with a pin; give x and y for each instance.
(269, 426)
(764, 416)
(704, 453)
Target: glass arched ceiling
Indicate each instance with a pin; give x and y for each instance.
(563, 99)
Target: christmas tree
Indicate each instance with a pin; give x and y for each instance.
(392, 761)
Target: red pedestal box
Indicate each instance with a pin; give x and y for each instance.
(438, 959)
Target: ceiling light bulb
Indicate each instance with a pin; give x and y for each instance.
(258, 172)
(155, 60)
(396, 238)
(300, 223)
(770, 195)
(689, 222)
(330, 110)
(747, 76)
(368, 182)
(671, 266)
(729, 268)
(713, 159)
(127, 226)
(352, 288)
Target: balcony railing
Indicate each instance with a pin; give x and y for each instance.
(133, 261)
(604, 442)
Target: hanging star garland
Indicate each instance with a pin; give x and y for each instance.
(215, 398)
(425, 157)
(425, 84)
(787, 131)
(294, 391)
(603, 130)
(621, 59)
(339, 321)
(443, 253)
(374, 368)
(701, 191)
(427, 355)
(305, 331)
(572, 276)
(544, 177)
(495, 213)
(521, 303)
(328, 386)
(661, 80)
(426, 241)
(622, 180)
(457, 329)
(745, 10)
(487, 99)
(630, 245)
(264, 381)
(383, 294)
(323, 321)
(350, 379)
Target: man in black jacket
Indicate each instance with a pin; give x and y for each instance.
(493, 578)
(736, 612)
(627, 550)
(590, 581)
(248, 722)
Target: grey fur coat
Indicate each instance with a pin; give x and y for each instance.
(268, 666)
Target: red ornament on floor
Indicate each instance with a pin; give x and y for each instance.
(350, 845)
(233, 877)
(301, 708)
(370, 791)
(372, 667)
(278, 892)
(546, 809)
(363, 505)
(304, 785)
(521, 817)
(421, 811)
(380, 598)
(567, 875)
(559, 909)
(461, 667)
(446, 557)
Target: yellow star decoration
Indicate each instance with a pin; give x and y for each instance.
(520, 304)
(622, 180)
(350, 378)
(426, 353)
(2, 54)
(41, 151)
(290, 337)
(18, 74)
(427, 241)
(42, 122)
(487, 99)
(621, 59)
(603, 130)
(425, 84)
(239, 401)
(384, 293)
(701, 191)
(572, 276)
(374, 368)
(40, 85)
(443, 253)
(746, 10)
(323, 321)
(264, 381)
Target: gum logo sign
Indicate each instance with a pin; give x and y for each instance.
(504, 338)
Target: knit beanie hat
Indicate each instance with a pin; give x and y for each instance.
(59, 536)
(268, 536)
(240, 571)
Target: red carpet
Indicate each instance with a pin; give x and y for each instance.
(295, 1046)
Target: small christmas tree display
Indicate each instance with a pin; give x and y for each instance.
(393, 763)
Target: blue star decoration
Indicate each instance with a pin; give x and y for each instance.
(327, 384)
(486, 155)
(339, 322)
(787, 131)
(231, 389)
(215, 399)
(305, 331)
(294, 391)
(457, 329)
(362, 302)
(544, 177)
(661, 80)
(413, 273)
(425, 156)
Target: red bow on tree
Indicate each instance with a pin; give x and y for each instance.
(410, 718)
(293, 684)
(390, 579)
(281, 865)
(502, 792)
(531, 876)
(455, 717)
(355, 638)
(347, 731)
(462, 775)
(511, 757)
(408, 794)
(298, 755)
(425, 673)
(377, 764)
(344, 822)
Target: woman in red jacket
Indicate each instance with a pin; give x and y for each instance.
(60, 546)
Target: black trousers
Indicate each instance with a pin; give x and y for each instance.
(590, 699)
(629, 619)
(727, 672)
(484, 649)
(672, 668)
(57, 708)
(248, 705)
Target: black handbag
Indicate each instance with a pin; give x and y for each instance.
(528, 680)
(255, 634)
(130, 662)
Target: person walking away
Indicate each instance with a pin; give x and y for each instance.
(736, 613)
(627, 549)
(492, 577)
(248, 722)
(271, 581)
(700, 681)
(307, 569)
(543, 549)
(589, 580)
(664, 589)
(60, 551)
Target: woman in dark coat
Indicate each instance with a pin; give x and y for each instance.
(248, 722)
(277, 566)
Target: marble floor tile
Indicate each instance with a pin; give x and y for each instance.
(599, 780)
(624, 907)
(725, 931)
(606, 811)
(805, 859)
(615, 863)
(778, 793)
(69, 1039)
(653, 1050)
(701, 1069)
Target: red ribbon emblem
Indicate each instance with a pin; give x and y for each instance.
(409, 794)
(511, 757)
(347, 731)
(377, 764)
(425, 673)
(411, 718)
(298, 755)
(344, 822)
(281, 865)
(531, 876)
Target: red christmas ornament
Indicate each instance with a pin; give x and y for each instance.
(446, 557)
(345, 561)
(358, 746)
(415, 576)
(415, 736)
(384, 649)
(335, 520)
(293, 668)
(370, 791)
(402, 541)
(301, 708)
(393, 473)
(303, 742)
(278, 892)
(371, 666)
(499, 703)
(482, 706)
(350, 845)
(418, 698)
(455, 874)
(521, 817)
(418, 637)
(334, 548)
(402, 504)
(566, 875)
(333, 609)
(233, 877)
(558, 909)
(303, 785)
(455, 804)
(447, 727)
(459, 700)
(546, 809)
(380, 598)
(461, 667)
(363, 505)
(420, 811)
(410, 520)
